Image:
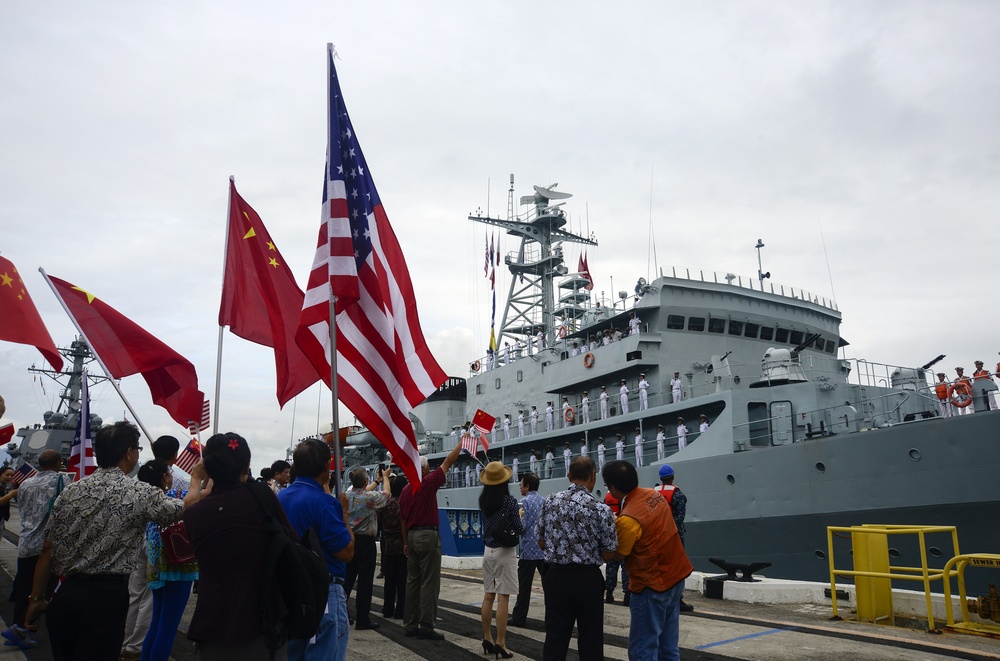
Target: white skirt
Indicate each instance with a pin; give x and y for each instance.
(500, 570)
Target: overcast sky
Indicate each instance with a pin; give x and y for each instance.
(859, 140)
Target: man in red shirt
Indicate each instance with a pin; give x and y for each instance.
(418, 513)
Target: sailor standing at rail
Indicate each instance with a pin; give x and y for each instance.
(623, 397)
(506, 353)
(675, 387)
(633, 325)
(533, 462)
(583, 447)
(660, 437)
(643, 395)
(982, 375)
(520, 423)
(682, 434)
(567, 457)
(566, 415)
(619, 448)
(550, 461)
(540, 339)
(534, 421)
(941, 390)
(515, 462)
(506, 426)
(585, 408)
(600, 453)
(702, 424)
(638, 448)
(604, 403)
(549, 423)
(967, 387)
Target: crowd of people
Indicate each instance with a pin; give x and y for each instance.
(956, 397)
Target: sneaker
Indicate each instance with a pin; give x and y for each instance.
(18, 637)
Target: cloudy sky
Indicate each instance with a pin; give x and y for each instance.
(859, 140)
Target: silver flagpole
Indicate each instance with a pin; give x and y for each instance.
(333, 299)
(218, 353)
(96, 356)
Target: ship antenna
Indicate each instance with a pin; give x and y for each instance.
(829, 272)
(652, 238)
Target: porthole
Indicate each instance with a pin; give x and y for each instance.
(820, 466)
(915, 454)
(731, 479)
(820, 554)
(894, 553)
(935, 552)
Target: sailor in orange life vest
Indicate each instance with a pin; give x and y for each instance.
(657, 565)
(941, 390)
(963, 410)
(678, 507)
(982, 375)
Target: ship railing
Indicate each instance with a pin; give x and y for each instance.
(746, 282)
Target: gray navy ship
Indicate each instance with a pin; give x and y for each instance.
(798, 437)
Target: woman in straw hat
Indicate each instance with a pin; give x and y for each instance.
(501, 528)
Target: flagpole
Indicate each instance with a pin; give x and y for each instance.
(333, 299)
(218, 353)
(96, 356)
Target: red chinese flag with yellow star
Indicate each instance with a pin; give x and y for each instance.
(124, 348)
(260, 299)
(21, 321)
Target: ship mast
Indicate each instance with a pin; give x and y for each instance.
(79, 355)
(537, 262)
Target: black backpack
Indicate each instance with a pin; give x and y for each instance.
(302, 579)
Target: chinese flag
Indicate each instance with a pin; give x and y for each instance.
(260, 300)
(6, 433)
(126, 349)
(21, 321)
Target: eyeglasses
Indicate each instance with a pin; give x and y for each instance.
(137, 448)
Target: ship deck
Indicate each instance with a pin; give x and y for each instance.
(717, 630)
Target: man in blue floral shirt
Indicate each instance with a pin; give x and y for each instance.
(576, 534)
(531, 554)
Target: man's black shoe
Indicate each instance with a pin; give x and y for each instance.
(410, 634)
(367, 625)
(627, 599)
(516, 623)
(609, 598)
(430, 635)
(686, 608)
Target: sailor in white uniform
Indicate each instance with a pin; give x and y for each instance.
(567, 457)
(623, 397)
(703, 424)
(520, 423)
(675, 387)
(638, 448)
(506, 353)
(533, 462)
(660, 438)
(682, 434)
(513, 466)
(604, 403)
(585, 408)
(619, 448)
(583, 447)
(506, 426)
(550, 461)
(593, 343)
(633, 325)
(643, 395)
(600, 454)
(565, 414)
(534, 420)
(549, 422)
(468, 475)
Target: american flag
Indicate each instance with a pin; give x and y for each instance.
(384, 367)
(472, 440)
(206, 415)
(189, 456)
(81, 455)
(22, 474)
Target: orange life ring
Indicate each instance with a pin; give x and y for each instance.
(569, 415)
(960, 394)
(562, 332)
(588, 360)
(476, 366)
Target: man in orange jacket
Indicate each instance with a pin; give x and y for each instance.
(657, 565)
(982, 375)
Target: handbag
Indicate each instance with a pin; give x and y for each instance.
(176, 544)
(508, 538)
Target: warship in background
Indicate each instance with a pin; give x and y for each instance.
(58, 428)
(800, 437)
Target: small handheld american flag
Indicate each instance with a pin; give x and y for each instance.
(22, 474)
(190, 455)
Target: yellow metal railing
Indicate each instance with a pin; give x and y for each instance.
(991, 560)
(873, 573)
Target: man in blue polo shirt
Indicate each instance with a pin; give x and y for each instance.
(309, 505)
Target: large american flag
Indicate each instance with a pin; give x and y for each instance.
(384, 367)
(81, 455)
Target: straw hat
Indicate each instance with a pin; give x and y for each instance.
(495, 473)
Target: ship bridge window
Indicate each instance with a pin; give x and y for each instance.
(675, 322)
(716, 325)
(781, 335)
(797, 337)
(831, 346)
(818, 343)
(735, 327)
(766, 333)
(750, 330)
(696, 324)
